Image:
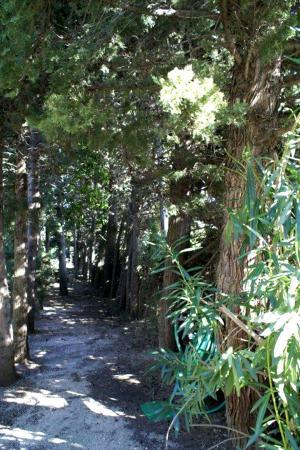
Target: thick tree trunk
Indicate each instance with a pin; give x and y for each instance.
(132, 283)
(259, 87)
(132, 279)
(61, 243)
(128, 286)
(179, 226)
(7, 368)
(230, 275)
(34, 207)
(19, 294)
(96, 278)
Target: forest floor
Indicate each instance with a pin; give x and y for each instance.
(85, 382)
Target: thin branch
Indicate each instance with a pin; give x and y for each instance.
(240, 324)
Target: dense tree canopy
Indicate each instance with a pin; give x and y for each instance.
(154, 147)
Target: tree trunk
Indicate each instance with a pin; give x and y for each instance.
(7, 367)
(75, 253)
(230, 275)
(132, 279)
(179, 226)
(258, 85)
(84, 261)
(128, 286)
(90, 248)
(122, 289)
(34, 207)
(116, 263)
(110, 248)
(47, 238)
(132, 283)
(19, 293)
(61, 243)
(96, 278)
(79, 252)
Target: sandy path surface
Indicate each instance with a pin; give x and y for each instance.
(81, 390)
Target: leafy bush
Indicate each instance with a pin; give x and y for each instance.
(269, 224)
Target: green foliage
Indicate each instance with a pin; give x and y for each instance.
(86, 74)
(191, 101)
(270, 363)
(18, 36)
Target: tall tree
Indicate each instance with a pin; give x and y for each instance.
(178, 230)
(256, 82)
(34, 206)
(19, 292)
(111, 241)
(132, 280)
(7, 372)
(61, 244)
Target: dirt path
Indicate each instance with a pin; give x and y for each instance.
(84, 386)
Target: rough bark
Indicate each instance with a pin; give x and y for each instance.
(132, 282)
(128, 286)
(132, 279)
(19, 293)
(61, 243)
(34, 207)
(258, 85)
(7, 368)
(179, 226)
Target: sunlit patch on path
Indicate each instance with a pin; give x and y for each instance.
(51, 406)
